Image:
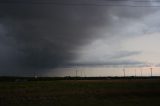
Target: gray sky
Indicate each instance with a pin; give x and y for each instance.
(46, 34)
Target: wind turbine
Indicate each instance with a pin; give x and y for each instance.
(135, 71)
(35, 75)
(151, 71)
(141, 71)
(150, 66)
(124, 71)
(76, 71)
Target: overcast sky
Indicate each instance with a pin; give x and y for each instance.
(46, 34)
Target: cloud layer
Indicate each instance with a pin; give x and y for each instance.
(38, 35)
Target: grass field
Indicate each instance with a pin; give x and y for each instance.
(125, 92)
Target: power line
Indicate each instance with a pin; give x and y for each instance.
(131, 1)
(79, 0)
(52, 1)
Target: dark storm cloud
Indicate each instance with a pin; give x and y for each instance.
(37, 35)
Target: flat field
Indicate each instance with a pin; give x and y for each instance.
(118, 92)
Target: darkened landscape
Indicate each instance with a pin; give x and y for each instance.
(109, 92)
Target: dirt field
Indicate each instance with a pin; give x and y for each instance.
(130, 92)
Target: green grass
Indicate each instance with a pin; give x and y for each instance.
(81, 93)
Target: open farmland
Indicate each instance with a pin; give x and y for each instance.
(117, 92)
